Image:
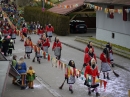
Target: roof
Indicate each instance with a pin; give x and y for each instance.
(65, 11)
(118, 2)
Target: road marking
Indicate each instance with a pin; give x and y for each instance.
(52, 91)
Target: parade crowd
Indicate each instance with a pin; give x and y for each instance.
(7, 41)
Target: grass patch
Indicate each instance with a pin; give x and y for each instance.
(114, 45)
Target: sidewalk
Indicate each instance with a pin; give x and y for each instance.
(15, 91)
(119, 61)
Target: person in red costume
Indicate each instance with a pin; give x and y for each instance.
(40, 31)
(91, 74)
(13, 34)
(109, 46)
(5, 32)
(45, 43)
(88, 56)
(57, 47)
(49, 30)
(90, 45)
(28, 47)
(105, 63)
(24, 32)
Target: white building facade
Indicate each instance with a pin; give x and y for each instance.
(114, 30)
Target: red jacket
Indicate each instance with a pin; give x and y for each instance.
(15, 32)
(5, 31)
(87, 49)
(90, 71)
(88, 58)
(40, 31)
(104, 59)
(24, 30)
(46, 42)
(28, 44)
(55, 44)
(10, 31)
(49, 29)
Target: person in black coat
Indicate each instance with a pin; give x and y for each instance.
(5, 44)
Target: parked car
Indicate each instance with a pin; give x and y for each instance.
(78, 26)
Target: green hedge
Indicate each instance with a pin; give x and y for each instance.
(59, 22)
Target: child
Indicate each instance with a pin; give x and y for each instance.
(31, 77)
(70, 76)
(37, 51)
(11, 46)
(14, 62)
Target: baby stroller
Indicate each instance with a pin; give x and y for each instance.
(18, 80)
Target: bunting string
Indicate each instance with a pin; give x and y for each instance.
(106, 10)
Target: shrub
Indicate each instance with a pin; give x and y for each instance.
(59, 22)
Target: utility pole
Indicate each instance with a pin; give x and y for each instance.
(43, 4)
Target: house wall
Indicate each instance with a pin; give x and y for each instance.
(106, 26)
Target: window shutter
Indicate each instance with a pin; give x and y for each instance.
(124, 13)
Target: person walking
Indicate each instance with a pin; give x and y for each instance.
(70, 74)
(28, 47)
(45, 44)
(109, 46)
(49, 30)
(57, 47)
(90, 45)
(105, 63)
(88, 56)
(91, 74)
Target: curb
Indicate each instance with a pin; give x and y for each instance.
(101, 47)
(96, 56)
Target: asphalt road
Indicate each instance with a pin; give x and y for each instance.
(50, 78)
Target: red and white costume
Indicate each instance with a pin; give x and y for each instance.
(57, 48)
(105, 63)
(87, 58)
(45, 45)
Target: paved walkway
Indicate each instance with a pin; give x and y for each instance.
(70, 41)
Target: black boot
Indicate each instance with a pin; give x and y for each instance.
(97, 94)
(89, 93)
(112, 65)
(71, 90)
(33, 59)
(108, 77)
(104, 76)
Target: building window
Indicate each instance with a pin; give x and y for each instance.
(110, 12)
(113, 35)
